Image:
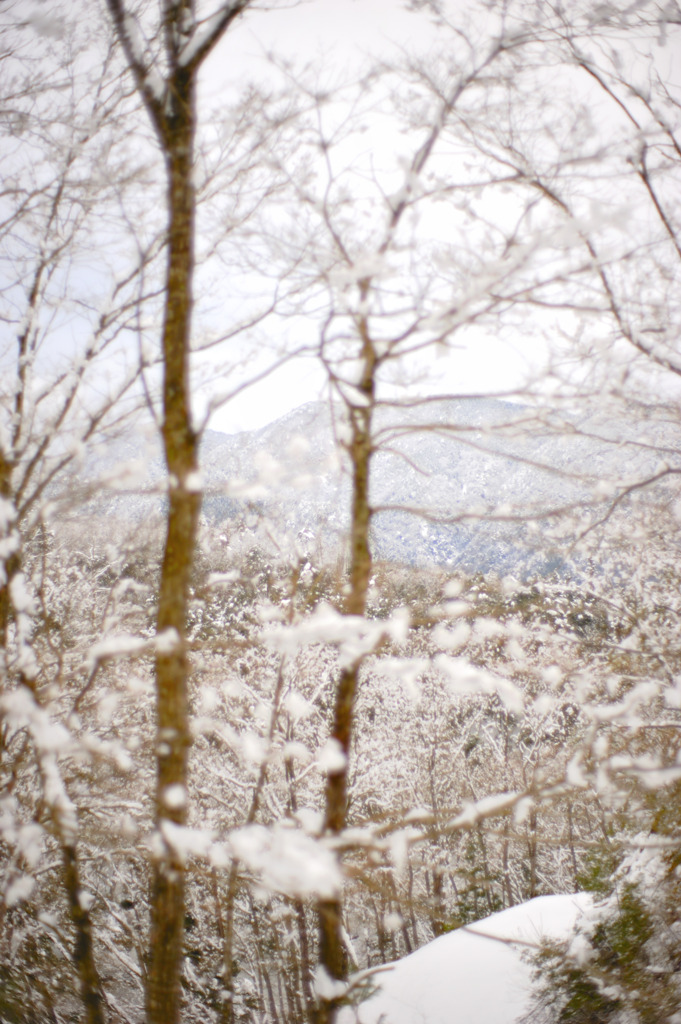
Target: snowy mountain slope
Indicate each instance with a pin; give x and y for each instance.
(475, 975)
(461, 462)
(458, 461)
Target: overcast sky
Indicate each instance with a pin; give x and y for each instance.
(340, 36)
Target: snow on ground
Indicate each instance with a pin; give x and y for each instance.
(475, 975)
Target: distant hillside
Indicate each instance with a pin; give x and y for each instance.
(467, 483)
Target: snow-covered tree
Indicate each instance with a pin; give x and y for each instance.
(199, 718)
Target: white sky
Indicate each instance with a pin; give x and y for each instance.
(339, 36)
(342, 35)
(336, 30)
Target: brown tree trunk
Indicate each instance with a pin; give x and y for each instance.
(571, 846)
(227, 1013)
(172, 669)
(83, 953)
(172, 112)
(9, 565)
(532, 854)
(65, 827)
(439, 912)
(305, 962)
(332, 953)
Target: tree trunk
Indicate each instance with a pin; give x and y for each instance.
(83, 953)
(65, 826)
(332, 954)
(180, 449)
(10, 564)
(532, 854)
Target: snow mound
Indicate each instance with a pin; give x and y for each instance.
(474, 975)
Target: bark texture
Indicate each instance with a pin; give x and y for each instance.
(332, 953)
(184, 45)
(180, 447)
(83, 952)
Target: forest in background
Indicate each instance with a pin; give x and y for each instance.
(240, 770)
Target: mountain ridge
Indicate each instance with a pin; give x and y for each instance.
(465, 483)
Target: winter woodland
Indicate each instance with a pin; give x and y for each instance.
(279, 709)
